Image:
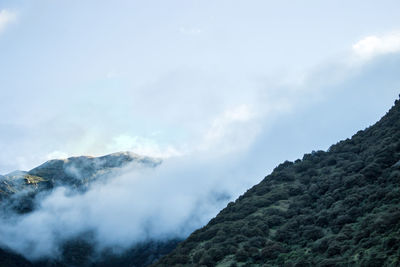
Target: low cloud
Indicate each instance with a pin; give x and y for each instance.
(234, 129)
(143, 146)
(137, 204)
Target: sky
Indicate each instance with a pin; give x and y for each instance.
(222, 91)
(270, 80)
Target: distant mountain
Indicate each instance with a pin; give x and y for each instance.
(18, 190)
(84, 169)
(334, 208)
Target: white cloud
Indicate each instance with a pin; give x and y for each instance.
(143, 146)
(373, 45)
(235, 128)
(56, 155)
(6, 17)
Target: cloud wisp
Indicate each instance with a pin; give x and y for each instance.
(373, 45)
(6, 18)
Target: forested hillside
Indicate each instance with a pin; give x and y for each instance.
(335, 208)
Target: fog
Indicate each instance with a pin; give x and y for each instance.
(241, 146)
(134, 205)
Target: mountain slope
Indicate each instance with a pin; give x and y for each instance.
(19, 189)
(81, 171)
(75, 169)
(334, 208)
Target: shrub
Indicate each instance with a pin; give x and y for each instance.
(320, 246)
(313, 233)
(216, 254)
(333, 249)
(271, 251)
(274, 220)
(241, 255)
(371, 171)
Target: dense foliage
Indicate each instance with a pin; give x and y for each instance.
(334, 208)
(78, 253)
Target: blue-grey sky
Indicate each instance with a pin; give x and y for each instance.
(222, 90)
(272, 79)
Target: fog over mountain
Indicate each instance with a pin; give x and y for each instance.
(123, 206)
(168, 201)
(207, 97)
(95, 77)
(338, 207)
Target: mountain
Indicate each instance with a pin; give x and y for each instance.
(339, 207)
(80, 171)
(18, 190)
(335, 208)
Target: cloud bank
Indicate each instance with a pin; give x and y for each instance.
(136, 204)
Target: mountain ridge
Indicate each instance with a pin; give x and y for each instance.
(78, 172)
(335, 208)
(339, 207)
(18, 191)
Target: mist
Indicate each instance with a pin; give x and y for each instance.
(240, 147)
(220, 91)
(134, 204)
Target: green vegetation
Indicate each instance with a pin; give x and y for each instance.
(10, 259)
(20, 182)
(334, 208)
(34, 180)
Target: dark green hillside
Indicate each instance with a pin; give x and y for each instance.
(78, 253)
(10, 259)
(335, 208)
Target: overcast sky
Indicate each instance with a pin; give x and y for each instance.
(268, 80)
